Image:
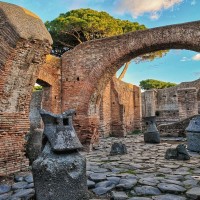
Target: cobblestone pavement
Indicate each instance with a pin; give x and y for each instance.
(143, 173)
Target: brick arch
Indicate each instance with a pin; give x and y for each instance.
(24, 43)
(87, 68)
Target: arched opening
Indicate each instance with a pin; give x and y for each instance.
(104, 57)
(41, 99)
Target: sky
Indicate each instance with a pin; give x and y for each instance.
(177, 66)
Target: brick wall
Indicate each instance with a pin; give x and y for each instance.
(172, 104)
(137, 99)
(50, 78)
(187, 102)
(34, 115)
(120, 109)
(148, 103)
(23, 51)
(105, 112)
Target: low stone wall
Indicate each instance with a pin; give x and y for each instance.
(174, 129)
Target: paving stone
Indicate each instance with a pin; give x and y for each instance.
(118, 195)
(194, 193)
(117, 170)
(147, 190)
(181, 172)
(190, 183)
(139, 198)
(104, 184)
(126, 184)
(29, 178)
(100, 170)
(168, 197)
(136, 166)
(133, 193)
(149, 181)
(19, 185)
(97, 176)
(23, 193)
(165, 170)
(114, 180)
(90, 184)
(4, 188)
(172, 181)
(5, 196)
(175, 177)
(171, 188)
(30, 185)
(18, 178)
(197, 171)
(103, 190)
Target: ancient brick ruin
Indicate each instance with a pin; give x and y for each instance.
(83, 80)
(172, 105)
(24, 42)
(120, 109)
(87, 69)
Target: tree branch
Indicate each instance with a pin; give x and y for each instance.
(121, 76)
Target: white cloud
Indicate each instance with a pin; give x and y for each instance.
(154, 16)
(196, 57)
(184, 59)
(139, 7)
(193, 2)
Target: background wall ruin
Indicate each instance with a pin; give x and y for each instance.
(88, 68)
(172, 105)
(120, 109)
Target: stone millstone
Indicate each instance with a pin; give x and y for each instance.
(65, 138)
(194, 125)
(193, 134)
(60, 176)
(59, 172)
(118, 148)
(178, 153)
(151, 135)
(193, 141)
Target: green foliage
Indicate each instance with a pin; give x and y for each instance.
(155, 84)
(77, 26)
(37, 88)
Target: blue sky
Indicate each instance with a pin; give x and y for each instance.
(177, 66)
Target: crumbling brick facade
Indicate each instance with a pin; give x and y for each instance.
(49, 98)
(23, 51)
(50, 73)
(120, 111)
(172, 104)
(88, 68)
